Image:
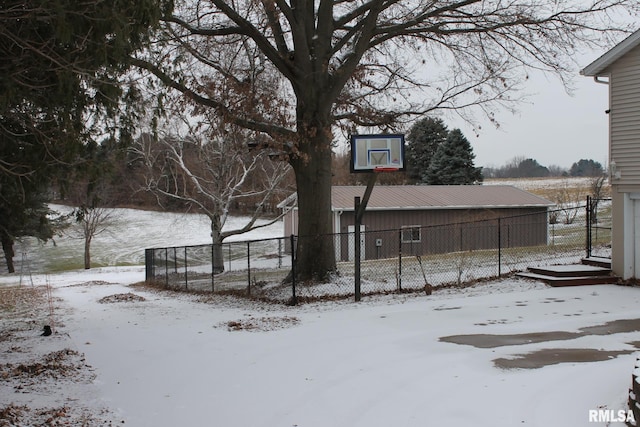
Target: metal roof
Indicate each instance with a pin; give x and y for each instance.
(618, 51)
(420, 197)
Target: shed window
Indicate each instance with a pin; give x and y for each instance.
(410, 233)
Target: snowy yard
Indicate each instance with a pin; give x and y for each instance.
(126, 354)
(175, 359)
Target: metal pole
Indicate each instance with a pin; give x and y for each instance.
(400, 259)
(166, 266)
(213, 269)
(499, 248)
(249, 268)
(175, 260)
(294, 298)
(359, 209)
(356, 266)
(588, 225)
(186, 271)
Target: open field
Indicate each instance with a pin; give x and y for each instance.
(575, 188)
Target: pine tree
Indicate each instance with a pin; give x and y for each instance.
(423, 141)
(452, 163)
(531, 168)
(586, 167)
(61, 64)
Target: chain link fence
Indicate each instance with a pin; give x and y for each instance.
(227, 267)
(411, 259)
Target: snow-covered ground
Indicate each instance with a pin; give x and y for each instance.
(455, 358)
(532, 184)
(126, 235)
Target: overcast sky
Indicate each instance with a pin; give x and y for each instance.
(553, 128)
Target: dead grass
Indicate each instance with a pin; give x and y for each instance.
(33, 365)
(127, 297)
(15, 299)
(261, 324)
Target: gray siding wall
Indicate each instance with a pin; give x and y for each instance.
(393, 220)
(447, 230)
(625, 119)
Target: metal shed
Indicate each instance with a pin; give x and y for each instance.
(433, 219)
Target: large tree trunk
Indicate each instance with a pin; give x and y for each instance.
(7, 247)
(216, 240)
(87, 253)
(315, 249)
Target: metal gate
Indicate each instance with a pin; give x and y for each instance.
(598, 223)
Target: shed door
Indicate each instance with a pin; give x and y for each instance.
(352, 238)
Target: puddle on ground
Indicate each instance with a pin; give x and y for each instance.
(539, 358)
(553, 356)
(492, 341)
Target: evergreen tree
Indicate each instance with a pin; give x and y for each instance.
(530, 168)
(452, 163)
(60, 68)
(23, 208)
(423, 141)
(586, 168)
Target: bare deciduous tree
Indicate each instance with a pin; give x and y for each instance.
(212, 169)
(568, 198)
(320, 66)
(93, 220)
(598, 192)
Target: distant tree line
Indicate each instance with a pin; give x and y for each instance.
(521, 167)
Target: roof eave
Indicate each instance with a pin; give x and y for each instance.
(428, 208)
(598, 66)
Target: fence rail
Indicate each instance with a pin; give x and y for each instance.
(391, 260)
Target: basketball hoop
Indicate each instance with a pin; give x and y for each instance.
(377, 153)
(385, 169)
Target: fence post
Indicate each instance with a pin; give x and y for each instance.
(588, 225)
(356, 267)
(175, 260)
(249, 268)
(186, 271)
(499, 247)
(400, 259)
(294, 298)
(166, 267)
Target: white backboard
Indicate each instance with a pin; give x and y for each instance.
(369, 152)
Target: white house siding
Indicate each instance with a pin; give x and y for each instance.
(624, 145)
(624, 119)
(621, 66)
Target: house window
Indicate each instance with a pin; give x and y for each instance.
(410, 233)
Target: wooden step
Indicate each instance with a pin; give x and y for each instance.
(597, 261)
(558, 281)
(576, 270)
